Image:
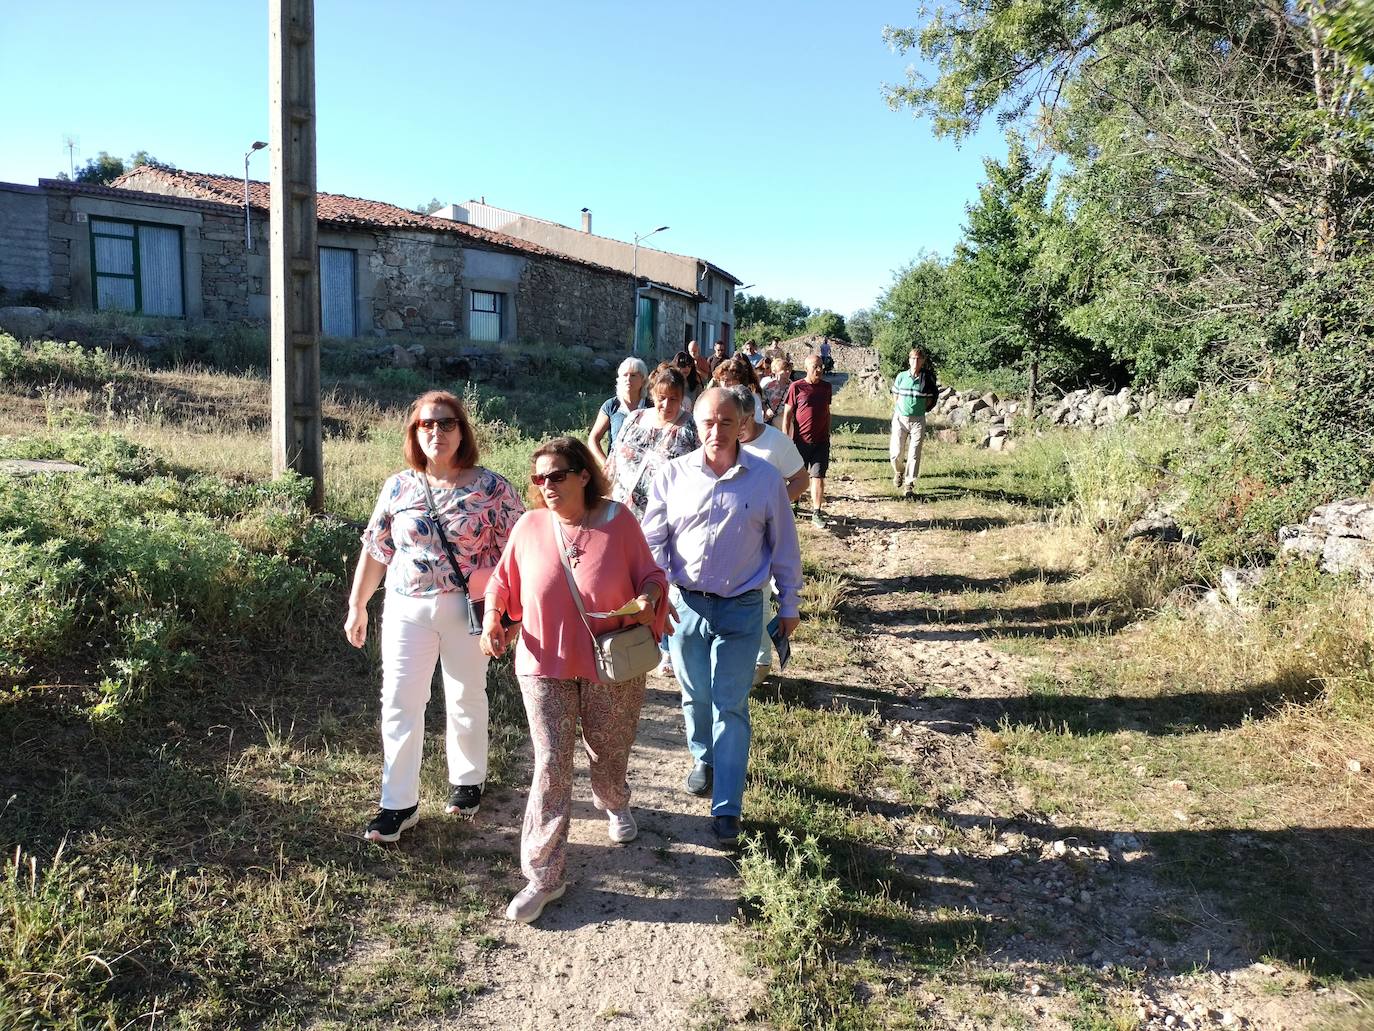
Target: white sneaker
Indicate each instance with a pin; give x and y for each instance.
(761, 672)
(664, 668)
(529, 902)
(621, 826)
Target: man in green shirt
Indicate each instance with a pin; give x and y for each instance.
(914, 393)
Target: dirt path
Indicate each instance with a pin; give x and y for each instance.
(1058, 897)
(640, 937)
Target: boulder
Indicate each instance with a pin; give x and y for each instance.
(1339, 536)
(401, 358)
(1154, 527)
(947, 436)
(581, 352)
(601, 365)
(1183, 406)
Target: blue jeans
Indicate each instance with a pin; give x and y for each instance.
(714, 648)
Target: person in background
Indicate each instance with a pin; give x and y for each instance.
(718, 355)
(649, 440)
(424, 617)
(750, 351)
(718, 523)
(555, 662)
(630, 396)
(703, 366)
(913, 394)
(774, 387)
(775, 448)
(691, 376)
(827, 361)
(737, 371)
(808, 423)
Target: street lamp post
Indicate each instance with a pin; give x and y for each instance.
(634, 343)
(247, 211)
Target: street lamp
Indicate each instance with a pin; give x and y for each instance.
(634, 344)
(247, 212)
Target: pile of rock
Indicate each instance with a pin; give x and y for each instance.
(1096, 407)
(1339, 536)
(482, 363)
(1084, 408)
(971, 408)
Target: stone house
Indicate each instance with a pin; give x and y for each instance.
(173, 243)
(681, 298)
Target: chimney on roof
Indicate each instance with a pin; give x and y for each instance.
(586, 220)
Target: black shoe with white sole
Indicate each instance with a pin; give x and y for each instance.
(464, 800)
(387, 825)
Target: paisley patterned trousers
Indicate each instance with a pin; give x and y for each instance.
(610, 717)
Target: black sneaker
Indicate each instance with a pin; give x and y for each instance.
(388, 823)
(464, 800)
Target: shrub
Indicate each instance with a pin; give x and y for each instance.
(794, 898)
(38, 601)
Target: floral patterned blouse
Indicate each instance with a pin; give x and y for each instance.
(641, 450)
(477, 519)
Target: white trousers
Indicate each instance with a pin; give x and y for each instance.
(415, 633)
(908, 433)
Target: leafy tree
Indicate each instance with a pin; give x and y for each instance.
(429, 207)
(785, 317)
(105, 168)
(827, 324)
(925, 307)
(860, 325)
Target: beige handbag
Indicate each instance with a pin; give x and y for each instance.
(620, 654)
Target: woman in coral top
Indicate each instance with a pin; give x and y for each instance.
(555, 659)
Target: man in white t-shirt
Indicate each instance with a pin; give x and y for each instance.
(777, 449)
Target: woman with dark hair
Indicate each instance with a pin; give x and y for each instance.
(444, 509)
(650, 439)
(691, 375)
(572, 539)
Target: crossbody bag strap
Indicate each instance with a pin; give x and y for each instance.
(433, 513)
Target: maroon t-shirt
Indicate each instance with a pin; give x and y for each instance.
(810, 404)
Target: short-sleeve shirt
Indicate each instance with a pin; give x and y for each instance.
(477, 519)
(775, 390)
(776, 448)
(618, 413)
(644, 448)
(810, 404)
(913, 393)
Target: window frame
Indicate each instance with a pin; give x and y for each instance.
(499, 312)
(137, 275)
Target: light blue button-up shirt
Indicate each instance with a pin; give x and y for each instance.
(725, 534)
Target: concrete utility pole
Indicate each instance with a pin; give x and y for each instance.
(297, 439)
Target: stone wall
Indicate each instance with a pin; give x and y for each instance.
(417, 288)
(562, 303)
(24, 262)
(233, 282)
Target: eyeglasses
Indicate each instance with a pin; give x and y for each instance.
(444, 425)
(556, 476)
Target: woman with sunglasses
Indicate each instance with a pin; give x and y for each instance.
(445, 497)
(610, 564)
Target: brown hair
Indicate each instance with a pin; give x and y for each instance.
(741, 370)
(667, 375)
(467, 446)
(579, 459)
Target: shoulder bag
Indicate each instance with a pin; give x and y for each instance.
(620, 654)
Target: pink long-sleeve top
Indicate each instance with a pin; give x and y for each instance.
(613, 566)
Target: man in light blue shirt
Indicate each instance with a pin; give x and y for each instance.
(718, 521)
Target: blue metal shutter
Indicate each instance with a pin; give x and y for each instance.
(338, 298)
(159, 268)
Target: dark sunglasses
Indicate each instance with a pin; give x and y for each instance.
(445, 425)
(555, 477)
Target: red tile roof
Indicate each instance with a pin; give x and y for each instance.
(334, 209)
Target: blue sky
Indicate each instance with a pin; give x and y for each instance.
(758, 134)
